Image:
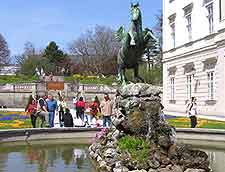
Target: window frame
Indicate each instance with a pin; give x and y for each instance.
(172, 88)
(189, 85)
(189, 25)
(211, 84)
(210, 16)
(173, 33)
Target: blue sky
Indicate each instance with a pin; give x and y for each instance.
(41, 21)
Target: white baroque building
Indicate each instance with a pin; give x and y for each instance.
(194, 55)
(9, 70)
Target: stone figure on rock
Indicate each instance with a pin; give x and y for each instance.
(134, 43)
(139, 140)
(148, 143)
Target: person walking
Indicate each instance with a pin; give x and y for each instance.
(80, 108)
(106, 109)
(192, 112)
(52, 106)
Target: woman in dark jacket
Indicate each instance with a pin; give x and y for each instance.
(80, 108)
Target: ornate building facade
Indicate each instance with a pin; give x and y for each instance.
(194, 55)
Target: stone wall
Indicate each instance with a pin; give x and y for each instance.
(16, 95)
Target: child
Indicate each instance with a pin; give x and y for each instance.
(67, 118)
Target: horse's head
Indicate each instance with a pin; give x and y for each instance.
(135, 12)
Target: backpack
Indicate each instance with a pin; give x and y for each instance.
(189, 106)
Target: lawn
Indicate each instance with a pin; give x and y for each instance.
(180, 122)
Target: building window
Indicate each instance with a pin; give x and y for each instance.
(222, 10)
(173, 30)
(189, 27)
(210, 17)
(172, 26)
(211, 85)
(187, 14)
(189, 86)
(172, 88)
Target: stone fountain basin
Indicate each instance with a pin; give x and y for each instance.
(208, 140)
(80, 135)
(213, 138)
(184, 135)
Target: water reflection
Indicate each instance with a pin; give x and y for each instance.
(67, 155)
(79, 157)
(50, 158)
(217, 160)
(70, 158)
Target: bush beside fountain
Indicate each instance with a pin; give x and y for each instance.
(139, 141)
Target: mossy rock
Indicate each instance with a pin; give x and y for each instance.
(137, 122)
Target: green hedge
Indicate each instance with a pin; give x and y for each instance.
(91, 79)
(17, 79)
(153, 76)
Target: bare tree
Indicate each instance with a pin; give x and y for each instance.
(4, 51)
(29, 49)
(158, 30)
(19, 59)
(103, 42)
(95, 49)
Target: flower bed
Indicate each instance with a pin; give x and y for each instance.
(182, 122)
(14, 120)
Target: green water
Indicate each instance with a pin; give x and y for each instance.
(215, 151)
(216, 158)
(45, 158)
(65, 156)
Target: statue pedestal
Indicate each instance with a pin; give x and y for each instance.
(140, 141)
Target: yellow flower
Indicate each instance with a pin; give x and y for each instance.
(3, 125)
(16, 124)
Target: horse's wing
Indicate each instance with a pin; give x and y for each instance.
(120, 33)
(149, 38)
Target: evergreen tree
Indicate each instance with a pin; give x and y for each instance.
(53, 53)
(55, 58)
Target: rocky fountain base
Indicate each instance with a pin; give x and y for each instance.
(140, 141)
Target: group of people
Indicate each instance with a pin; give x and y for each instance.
(94, 111)
(47, 108)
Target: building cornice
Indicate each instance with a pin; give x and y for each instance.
(191, 43)
(196, 51)
(219, 42)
